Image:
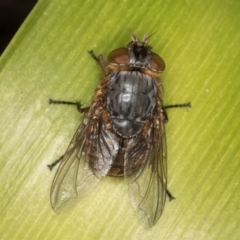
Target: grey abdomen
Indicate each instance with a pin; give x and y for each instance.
(131, 99)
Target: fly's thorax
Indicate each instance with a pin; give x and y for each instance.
(131, 98)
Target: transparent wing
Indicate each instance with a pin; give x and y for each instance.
(147, 180)
(87, 159)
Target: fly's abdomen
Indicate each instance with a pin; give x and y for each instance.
(131, 99)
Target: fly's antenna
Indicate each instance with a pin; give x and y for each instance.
(146, 37)
(134, 38)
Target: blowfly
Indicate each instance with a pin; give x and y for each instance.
(122, 135)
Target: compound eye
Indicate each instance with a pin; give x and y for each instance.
(119, 56)
(157, 62)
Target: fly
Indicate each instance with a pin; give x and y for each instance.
(122, 134)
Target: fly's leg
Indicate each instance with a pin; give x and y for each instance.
(163, 110)
(103, 64)
(52, 165)
(165, 116)
(165, 120)
(80, 109)
(182, 105)
(78, 104)
(100, 60)
(92, 54)
(170, 196)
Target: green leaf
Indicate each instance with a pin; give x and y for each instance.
(48, 58)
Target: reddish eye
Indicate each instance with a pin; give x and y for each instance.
(119, 56)
(157, 62)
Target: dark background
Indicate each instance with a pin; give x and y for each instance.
(12, 15)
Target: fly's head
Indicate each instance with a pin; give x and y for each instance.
(137, 54)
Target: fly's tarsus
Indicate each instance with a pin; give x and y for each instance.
(182, 105)
(78, 104)
(51, 166)
(93, 56)
(170, 196)
(99, 60)
(51, 101)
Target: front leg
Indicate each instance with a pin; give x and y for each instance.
(100, 60)
(78, 104)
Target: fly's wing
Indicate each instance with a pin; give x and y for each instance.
(87, 159)
(147, 180)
